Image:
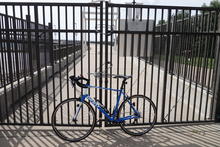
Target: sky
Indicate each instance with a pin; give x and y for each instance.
(195, 3)
(148, 2)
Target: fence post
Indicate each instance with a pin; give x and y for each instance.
(216, 96)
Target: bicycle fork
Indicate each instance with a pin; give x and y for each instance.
(77, 112)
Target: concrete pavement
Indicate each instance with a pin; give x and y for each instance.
(197, 135)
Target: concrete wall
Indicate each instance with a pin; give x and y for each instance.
(29, 85)
(135, 26)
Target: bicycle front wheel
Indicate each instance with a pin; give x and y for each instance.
(73, 120)
(141, 107)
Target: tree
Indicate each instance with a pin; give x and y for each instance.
(181, 14)
(213, 3)
(161, 22)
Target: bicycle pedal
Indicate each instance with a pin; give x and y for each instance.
(74, 120)
(101, 120)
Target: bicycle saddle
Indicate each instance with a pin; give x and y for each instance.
(123, 77)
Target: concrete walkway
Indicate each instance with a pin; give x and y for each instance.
(203, 135)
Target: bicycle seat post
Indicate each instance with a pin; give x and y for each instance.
(85, 91)
(123, 84)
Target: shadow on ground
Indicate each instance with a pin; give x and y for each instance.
(181, 135)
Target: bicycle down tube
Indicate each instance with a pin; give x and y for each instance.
(111, 118)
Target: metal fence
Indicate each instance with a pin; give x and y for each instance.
(190, 53)
(171, 53)
(15, 54)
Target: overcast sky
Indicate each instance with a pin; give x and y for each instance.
(149, 2)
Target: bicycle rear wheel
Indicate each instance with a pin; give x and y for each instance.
(71, 128)
(146, 110)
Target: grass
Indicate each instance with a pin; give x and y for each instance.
(194, 61)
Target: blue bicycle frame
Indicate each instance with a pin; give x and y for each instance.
(112, 118)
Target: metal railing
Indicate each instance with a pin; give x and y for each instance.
(171, 52)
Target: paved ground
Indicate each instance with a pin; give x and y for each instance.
(205, 135)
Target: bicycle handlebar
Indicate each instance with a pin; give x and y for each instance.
(77, 81)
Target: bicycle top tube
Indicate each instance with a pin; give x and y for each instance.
(80, 81)
(98, 87)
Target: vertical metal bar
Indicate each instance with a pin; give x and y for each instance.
(185, 71)
(3, 53)
(125, 40)
(12, 51)
(82, 45)
(50, 48)
(125, 48)
(178, 66)
(216, 102)
(38, 64)
(152, 59)
(31, 62)
(9, 57)
(216, 99)
(74, 54)
(75, 50)
(215, 111)
(118, 47)
(50, 27)
(132, 55)
(96, 52)
(6, 50)
(193, 39)
(67, 62)
(17, 62)
(60, 74)
(166, 66)
(198, 72)
(0, 45)
(111, 48)
(146, 58)
(138, 78)
(132, 59)
(194, 104)
(159, 65)
(205, 60)
(45, 64)
(101, 52)
(1, 70)
(216, 22)
(139, 58)
(106, 55)
(89, 53)
(89, 43)
(171, 64)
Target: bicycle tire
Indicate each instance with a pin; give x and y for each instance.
(84, 106)
(123, 124)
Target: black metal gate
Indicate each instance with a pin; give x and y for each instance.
(171, 52)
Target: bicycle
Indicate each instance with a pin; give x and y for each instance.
(82, 118)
